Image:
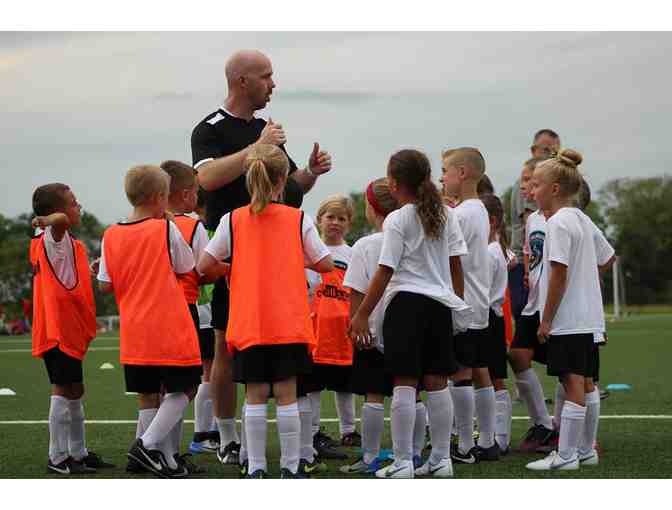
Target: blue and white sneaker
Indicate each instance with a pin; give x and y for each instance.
(554, 462)
(417, 461)
(207, 446)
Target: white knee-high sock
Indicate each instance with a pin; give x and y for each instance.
(345, 408)
(464, 404)
(77, 443)
(504, 410)
(145, 417)
(202, 411)
(420, 428)
(59, 429)
(440, 407)
(243, 439)
(591, 423)
(289, 430)
(227, 431)
(170, 412)
(315, 404)
(373, 423)
(571, 428)
(532, 393)
(402, 422)
(558, 404)
(176, 435)
(306, 417)
(484, 400)
(256, 427)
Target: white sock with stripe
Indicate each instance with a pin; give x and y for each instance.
(532, 393)
(464, 405)
(420, 428)
(571, 428)
(202, 408)
(440, 407)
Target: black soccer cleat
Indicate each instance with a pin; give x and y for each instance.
(286, 473)
(152, 460)
(230, 454)
(487, 454)
(464, 458)
(95, 461)
(135, 468)
(185, 461)
(321, 443)
(69, 466)
(353, 439)
(259, 473)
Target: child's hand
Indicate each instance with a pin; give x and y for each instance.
(95, 266)
(222, 269)
(40, 222)
(544, 332)
(359, 330)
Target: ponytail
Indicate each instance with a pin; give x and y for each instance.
(267, 167)
(431, 210)
(495, 210)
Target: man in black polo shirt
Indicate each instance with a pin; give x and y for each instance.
(219, 145)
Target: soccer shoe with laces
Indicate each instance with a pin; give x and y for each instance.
(487, 454)
(95, 461)
(549, 442)
(134, 467)
(185, 461)
(325, 438)
(152, 460)
(352, 439)
(536, 436)
(361, 468)
(230, 454)
(463, 458)
(323, 446)
(444, 469)
(206, 446)
(591, 458)
(403, 469)
(69, 466)
(312, 468)
(554, 462)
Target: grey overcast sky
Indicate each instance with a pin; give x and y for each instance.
(81, 108)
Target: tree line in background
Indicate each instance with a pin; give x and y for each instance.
(635, 214)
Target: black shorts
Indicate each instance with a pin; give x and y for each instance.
(62, 369)
(151, 379)
(595, 365)
(206, 341)
(418, 333)
(325, 377)
(270, 363)
(526, 337)
(220, 305)
(497, 333)
(571, 354)
(368, 373)
(473, 348)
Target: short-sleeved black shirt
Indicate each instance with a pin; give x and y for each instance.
(221, 134)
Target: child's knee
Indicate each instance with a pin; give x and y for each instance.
(76, 391)
(435, 382)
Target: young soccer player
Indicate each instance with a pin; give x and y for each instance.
(64, 323)
(333, 353)
(368, 371)
(526, 347)
(158, 343)
(419, 277)
(269, 328)
(499, 257)
(463, 168)
(572, 311)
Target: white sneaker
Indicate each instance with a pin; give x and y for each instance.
(590, 458)
(404, 469)
(554, 462)
(444, 469)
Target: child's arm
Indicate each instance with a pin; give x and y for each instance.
(457, 275)
(59, 223)
(206, 263)
(356, 299)
(217, 271)
(359, 326)
(324, 265)
(557, 285)
(607, 265)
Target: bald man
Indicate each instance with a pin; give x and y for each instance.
(219, 145)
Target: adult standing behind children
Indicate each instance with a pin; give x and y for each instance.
(545, 142)
(219, 145)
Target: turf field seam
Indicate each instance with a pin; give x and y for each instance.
(336, 420)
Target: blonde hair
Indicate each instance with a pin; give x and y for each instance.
(182, 176)
(411, 169)
(144, 181)
(337, 202)
(468, 157)
(267, 167)
(562, 169)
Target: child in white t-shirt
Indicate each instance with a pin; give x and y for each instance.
(463, 168)
(419, 278)
(572, 303)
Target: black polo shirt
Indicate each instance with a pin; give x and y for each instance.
(221, 134)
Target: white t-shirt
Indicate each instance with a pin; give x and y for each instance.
(475, 224)
(314, 249)
(573, 240)
(422, 265)
(339, 254)
(199, 243)
(61, 257)
(500, 277)
(533, 247)
(181, 256)
(362, 267)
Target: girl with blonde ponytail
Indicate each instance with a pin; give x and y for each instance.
(572, 317)
(416, 277)
(269, 331)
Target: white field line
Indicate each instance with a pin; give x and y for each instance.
(29, 341)
(335, 420)
(91, 349)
